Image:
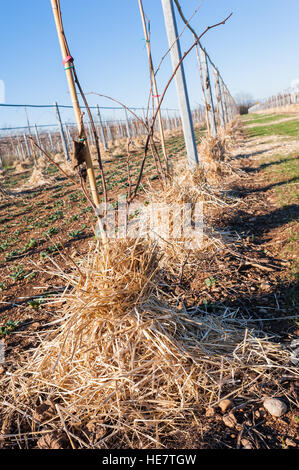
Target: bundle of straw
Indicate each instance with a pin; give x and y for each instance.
(190, 191)
(214, 152)
(233, 132)
(20, 167)
(124, 360)
(59, 158)
(37, 178)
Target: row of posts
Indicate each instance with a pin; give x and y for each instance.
(286, 98)
(219, 109)
(219, 112)
(108, 131)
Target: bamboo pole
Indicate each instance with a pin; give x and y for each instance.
(154, 82)
(75, 102)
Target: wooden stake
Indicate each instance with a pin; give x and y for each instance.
(203, 89)
(154, 82)
(75, 102)
(208, 92)
(218, 97)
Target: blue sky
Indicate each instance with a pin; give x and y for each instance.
(256, 51)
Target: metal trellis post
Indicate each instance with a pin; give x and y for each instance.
(62, 135)
(172, 34)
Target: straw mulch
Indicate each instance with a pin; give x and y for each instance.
(20, 167)
(233, 132)
(37, 178)
(58, 158)
(195, 192)
(190, 187)
(6, 194)
(213, 152)
(122, 367)
(68, 168)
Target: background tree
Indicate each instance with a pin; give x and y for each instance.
(244, 102)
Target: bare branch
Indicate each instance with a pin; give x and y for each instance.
(53, 161)
(121, 104)
(180, 62)
(168, 51)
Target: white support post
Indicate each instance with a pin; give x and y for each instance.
(38, 139)
(184, 105)
(51, 142)
(62, 135)
(27, 146)
(168, 120)
(102, 133)
(31, 150)
(91, 136)
(129, 134)
(120, 134)
(27, 118)
(67, 131)
(109, 133)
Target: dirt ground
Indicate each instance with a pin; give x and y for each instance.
(255, 272)
(258, 274)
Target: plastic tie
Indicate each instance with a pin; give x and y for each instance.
(67, 59)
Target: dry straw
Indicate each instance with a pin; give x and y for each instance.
(19, 167)
(126, 363)
(215, 151)
(188, 193)
(122, 366)
(37, 178)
